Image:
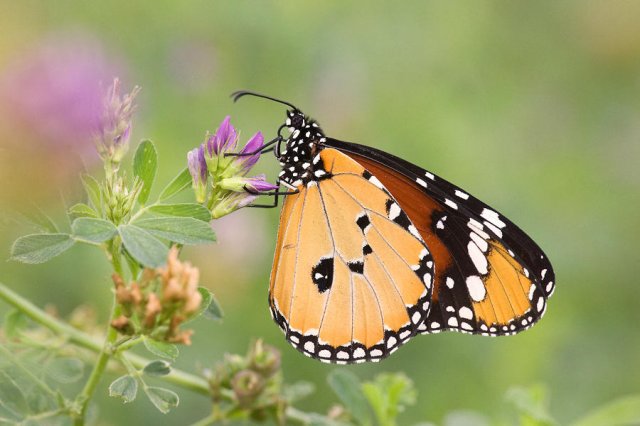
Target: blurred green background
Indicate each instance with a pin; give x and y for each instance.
(533, 107)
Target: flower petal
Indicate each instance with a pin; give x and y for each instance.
(254, 144)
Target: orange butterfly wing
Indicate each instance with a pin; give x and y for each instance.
(491, 278)
(352, 277)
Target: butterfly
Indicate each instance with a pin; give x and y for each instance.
(373, 250)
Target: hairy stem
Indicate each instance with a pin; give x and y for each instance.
(79, 338)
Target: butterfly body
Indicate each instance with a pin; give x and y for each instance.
(373, 250)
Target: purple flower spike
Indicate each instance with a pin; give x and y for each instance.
(224, 139)
(254, 144)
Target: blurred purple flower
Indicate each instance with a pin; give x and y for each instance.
(54, 90)
(224, 139)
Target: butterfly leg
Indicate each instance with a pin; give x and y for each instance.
(274, 194)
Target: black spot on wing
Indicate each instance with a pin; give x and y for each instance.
(356, 266)
(363, 221)
(367, 249)
(322, 274)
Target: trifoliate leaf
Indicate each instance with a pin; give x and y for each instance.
(157, 368)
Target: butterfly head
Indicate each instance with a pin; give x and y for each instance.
(302, 146)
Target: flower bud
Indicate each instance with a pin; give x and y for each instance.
(199, 172)
(247, 385)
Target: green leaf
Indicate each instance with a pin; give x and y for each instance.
(178, 184)
(388, 395)
(298, 391)
(92, 229)
(182, 230)
(65, 370)
(163, 399)
(157, 368)
(81, 210)
(161, 349)
(39, 248)
(14, 322)
(94, 193)
(145, 164)
(347, 386)
(143, 246)
(40, 219)
(125, 387)
(213, 310)
(532, 404)
(196, 211)
(620, 411)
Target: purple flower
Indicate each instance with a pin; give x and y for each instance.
(224, 139)
(254, 144)
(52, 90)
(259, 184)
(244, 184)
(198, 169)
(113, 126)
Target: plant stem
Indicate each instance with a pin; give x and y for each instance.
(75, 336)
(98, 369)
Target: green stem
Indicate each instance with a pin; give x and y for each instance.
(98, 369)
(79, 338)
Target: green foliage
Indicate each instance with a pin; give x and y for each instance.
(389, 394)
(40, 248)
(14, 322)
(182, 230)
(94, 192)
(532, 405)
(145, 164)
(81, 210)
(178, 184)
(350, 391)
(619, 412)
(93, 230)
(210, 306)
(157, 368)
(163, 399)
(196, 211)
(161, 349)
(143, 247)
(124, 387)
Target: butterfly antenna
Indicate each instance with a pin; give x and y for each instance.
(240, 93)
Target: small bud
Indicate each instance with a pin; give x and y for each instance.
(264, 359)
(247, 385)
(152, 310)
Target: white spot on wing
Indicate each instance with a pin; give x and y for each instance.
(394, 211)
(492, 217)
(453, 322)
(421, 182)
(476, 288)
(477, 257)
(451, 203)
(429, 175)
(309, 347)
(462, 195)
(465, 312)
